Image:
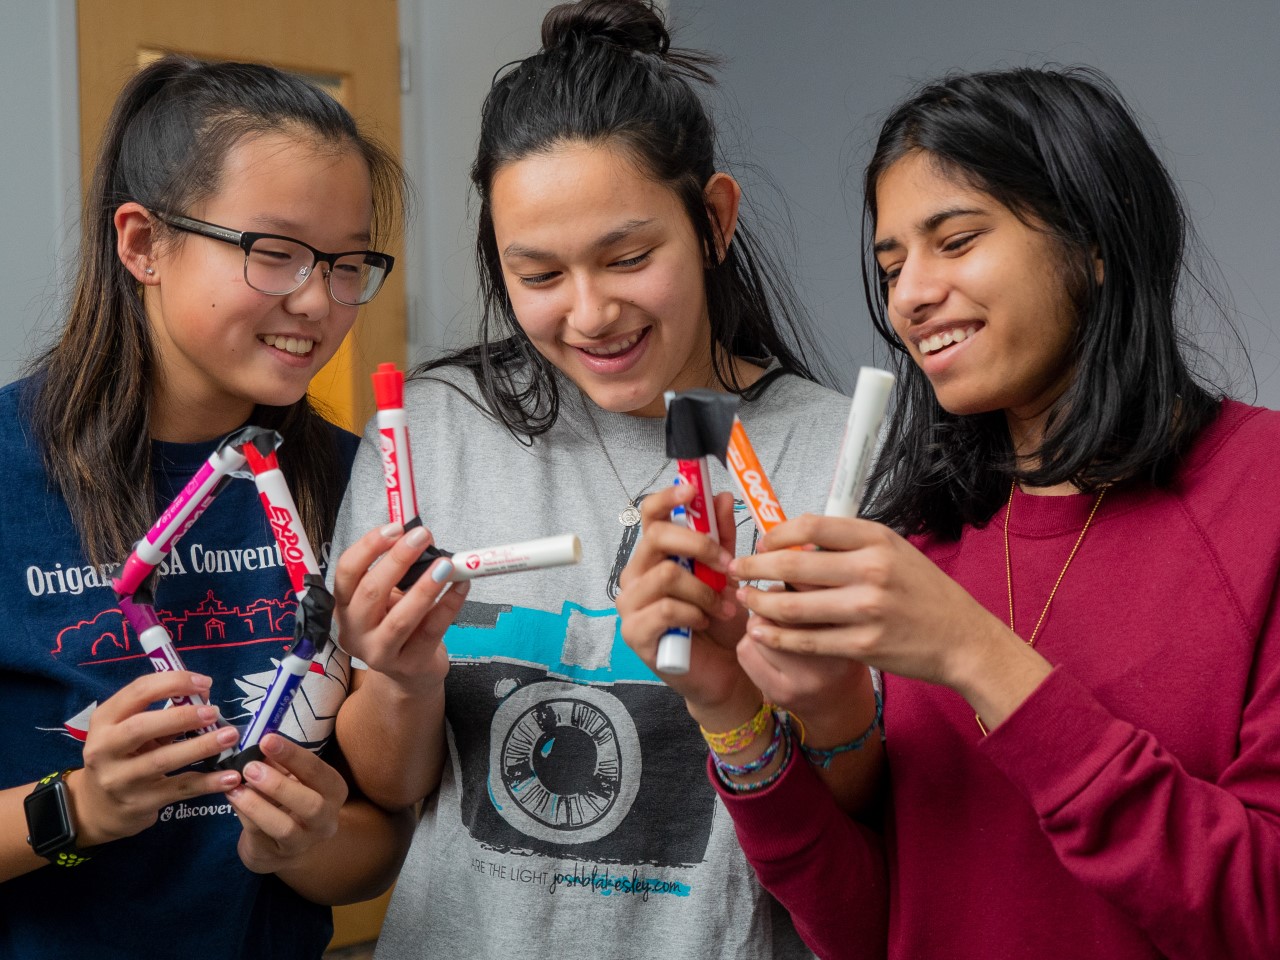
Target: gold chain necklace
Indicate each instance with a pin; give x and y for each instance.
(1008, 573)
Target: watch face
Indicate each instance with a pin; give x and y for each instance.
(47, 819)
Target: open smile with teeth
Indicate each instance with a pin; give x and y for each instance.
(615, 348)
(945, 339)
(298, 346)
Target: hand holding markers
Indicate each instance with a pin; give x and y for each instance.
(136, 760)
(658, 593)
(397, 633)
(294, 805)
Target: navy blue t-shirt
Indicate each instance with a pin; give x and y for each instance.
(178, 888)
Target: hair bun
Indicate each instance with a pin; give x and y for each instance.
(629, 24)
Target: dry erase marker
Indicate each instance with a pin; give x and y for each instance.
(557, 551)
(752, 482)
(866, 414)
(158, 646)
(393, 444)
(674, 646)
(281, 511)
(314, 614)
(698, 425)
(185, 510)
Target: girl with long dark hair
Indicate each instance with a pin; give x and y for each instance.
(1071, 586)
(566, 809)
(196, 310)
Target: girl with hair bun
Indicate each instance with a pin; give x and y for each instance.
(182, 328)
(1071, 588)
(566, 812)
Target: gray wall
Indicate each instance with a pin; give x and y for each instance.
(809, 80)
(39, 170)
(801, 95)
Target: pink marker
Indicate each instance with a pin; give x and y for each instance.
(177, 519)
(393, 444)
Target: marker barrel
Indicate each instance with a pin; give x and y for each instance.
(393, 444)
(282, 514)
(675, 644)
(556, 551)
(177, 519)
(866, 414)
(701, 515)
(750, 479)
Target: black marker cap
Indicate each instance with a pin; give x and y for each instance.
(699, 423)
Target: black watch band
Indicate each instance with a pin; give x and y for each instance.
(51, 831)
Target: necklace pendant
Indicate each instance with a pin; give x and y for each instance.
(630, 516)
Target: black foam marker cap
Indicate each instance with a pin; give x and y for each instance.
(699, 423)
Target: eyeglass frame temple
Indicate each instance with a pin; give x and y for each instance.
(246, 239)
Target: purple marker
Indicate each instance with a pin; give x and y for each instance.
(157, 643)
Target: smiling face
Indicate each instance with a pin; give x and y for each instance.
(605, 274)
(978, 297)
(224, 347)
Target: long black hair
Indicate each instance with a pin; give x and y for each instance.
(164, 147)
(1063, 152)
(607, 74)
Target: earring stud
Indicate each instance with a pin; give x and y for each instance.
(150, 271)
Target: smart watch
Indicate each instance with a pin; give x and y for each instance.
(50, 830)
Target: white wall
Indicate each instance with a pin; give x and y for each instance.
(39, 171)
(456, 47)
(802, 94)
(810, 80)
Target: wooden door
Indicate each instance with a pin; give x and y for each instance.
(350, 48)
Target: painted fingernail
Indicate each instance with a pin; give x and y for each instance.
(206, 714)
(255, 771)
(272, 744)
(391, 531)
(235, 794)
(227, 736)
(440, 572)
(416, 537)
(229, 779)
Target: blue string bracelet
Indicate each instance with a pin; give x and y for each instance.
(759, 763)
(733, 787)
(822, 756)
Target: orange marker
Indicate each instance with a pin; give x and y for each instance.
(751, 480)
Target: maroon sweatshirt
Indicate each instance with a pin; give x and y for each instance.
(1130, 807)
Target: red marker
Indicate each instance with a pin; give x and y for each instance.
(393, 444)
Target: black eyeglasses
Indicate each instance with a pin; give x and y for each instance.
(278, 265)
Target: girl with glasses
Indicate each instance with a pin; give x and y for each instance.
(1068, 575)
(172, 340)
(566, 810)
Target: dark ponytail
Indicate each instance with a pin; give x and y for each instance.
(164, 147)
(607, 74)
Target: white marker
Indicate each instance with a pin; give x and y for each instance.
(866, 414)
(513, 557)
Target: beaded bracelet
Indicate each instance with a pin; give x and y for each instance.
(822, 757)
(741, 737)
(734, 787)
(759, 763)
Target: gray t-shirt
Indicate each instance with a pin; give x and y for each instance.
(574, 817)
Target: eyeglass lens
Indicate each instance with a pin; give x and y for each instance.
(277, 266)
